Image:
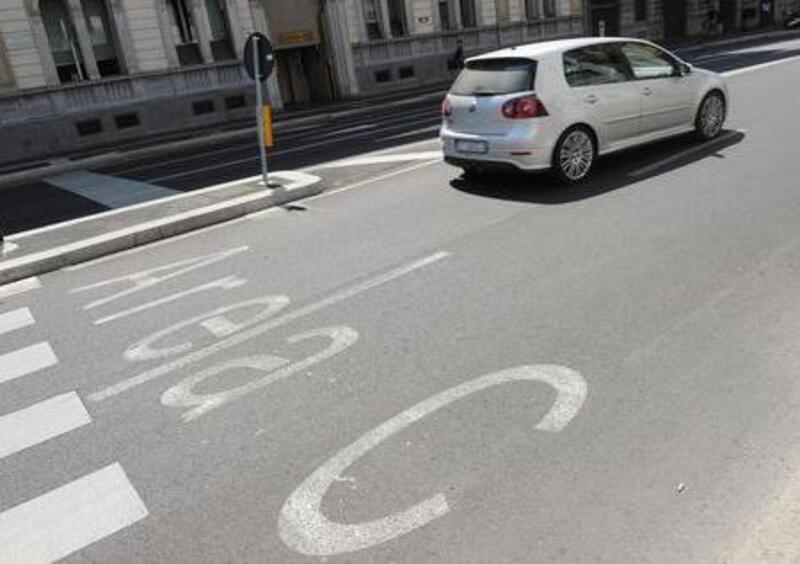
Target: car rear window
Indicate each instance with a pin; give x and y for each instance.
(488, 77)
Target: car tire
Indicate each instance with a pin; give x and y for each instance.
(710, 116)
(574, 155)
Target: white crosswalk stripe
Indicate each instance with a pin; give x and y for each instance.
(20, 287)
(26, 361)
(67, 519)
(14, 320)
(40, 422)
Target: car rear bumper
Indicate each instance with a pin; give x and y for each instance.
(501, 152)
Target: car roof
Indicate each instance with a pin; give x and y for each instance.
(545, 48)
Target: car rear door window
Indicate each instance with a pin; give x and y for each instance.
(489, 77)
(596, 64)
(648, 62)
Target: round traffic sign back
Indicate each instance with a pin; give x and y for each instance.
(258, 48)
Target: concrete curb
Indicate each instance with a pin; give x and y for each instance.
(117, 157)
(46, 261)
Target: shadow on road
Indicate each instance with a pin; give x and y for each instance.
(612, 173)
(724, 62)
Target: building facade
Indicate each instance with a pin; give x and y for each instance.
(88, 73)
(674, 20)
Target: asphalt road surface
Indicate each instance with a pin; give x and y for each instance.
(417, 368)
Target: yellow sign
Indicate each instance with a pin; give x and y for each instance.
(295, 38)
(269, 137)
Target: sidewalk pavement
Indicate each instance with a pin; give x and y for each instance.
(53, 247)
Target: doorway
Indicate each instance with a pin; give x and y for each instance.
(674, 19)
(302, 76)
(604, 15)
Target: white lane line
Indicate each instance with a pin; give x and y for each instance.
(372, 180)
(109, 191)
(273, 154)
(26, 361)
(26, 285)
(383, 159)
(16, 319)
(258, 330)
(683, 154)
(431, 129)
(761, 66)
(41, 422)
(67, 519)
(7, 248)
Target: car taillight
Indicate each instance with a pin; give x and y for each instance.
(447, 109)
(526, 107)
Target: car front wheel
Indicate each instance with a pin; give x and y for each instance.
(574, 155)
(710, 116)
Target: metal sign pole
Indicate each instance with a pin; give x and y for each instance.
(260, 114)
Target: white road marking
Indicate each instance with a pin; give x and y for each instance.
(432, 129)
(217, 322)
(19, 287)
(147, 278)
(14, 320)
(41, 422)
(685, 153)
(181, 395)
(277, 153)
(258, 330)
(304, 528)
(67, 519)
(383, 159)
(26, 361)
(110, 191)
(227, 283)
(7, 248)
(761, 66)
(372, 180)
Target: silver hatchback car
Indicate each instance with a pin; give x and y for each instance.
(560, 104)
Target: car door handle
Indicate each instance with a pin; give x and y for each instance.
(647, 91)
(591, 99)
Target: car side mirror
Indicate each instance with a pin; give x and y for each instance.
(684, 69)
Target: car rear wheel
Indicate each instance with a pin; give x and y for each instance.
(710, 116)
(574, 155)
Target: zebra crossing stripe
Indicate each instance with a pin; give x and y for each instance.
(14, 320)
(70, 518)
(40, 422)
(26, 361)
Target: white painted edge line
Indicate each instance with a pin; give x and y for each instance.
(26, 361)
(14, 320)
(41, 422)
(372, 180)
(683, 154)
(67, 519)
(292, 175)
(761, 66)
(264, 327)
(383, 159)
(153, 224)
(19, 287)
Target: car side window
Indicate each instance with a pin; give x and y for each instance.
(648, 62)
(596, 64)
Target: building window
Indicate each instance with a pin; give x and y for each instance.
(98, 24)
(532, 10)
(221, 46)
(469, 17)
(549, 8)
(397, 18)
(63, 41)
(640, 10)
(184, 34)
(372, 19)
(445, 19)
